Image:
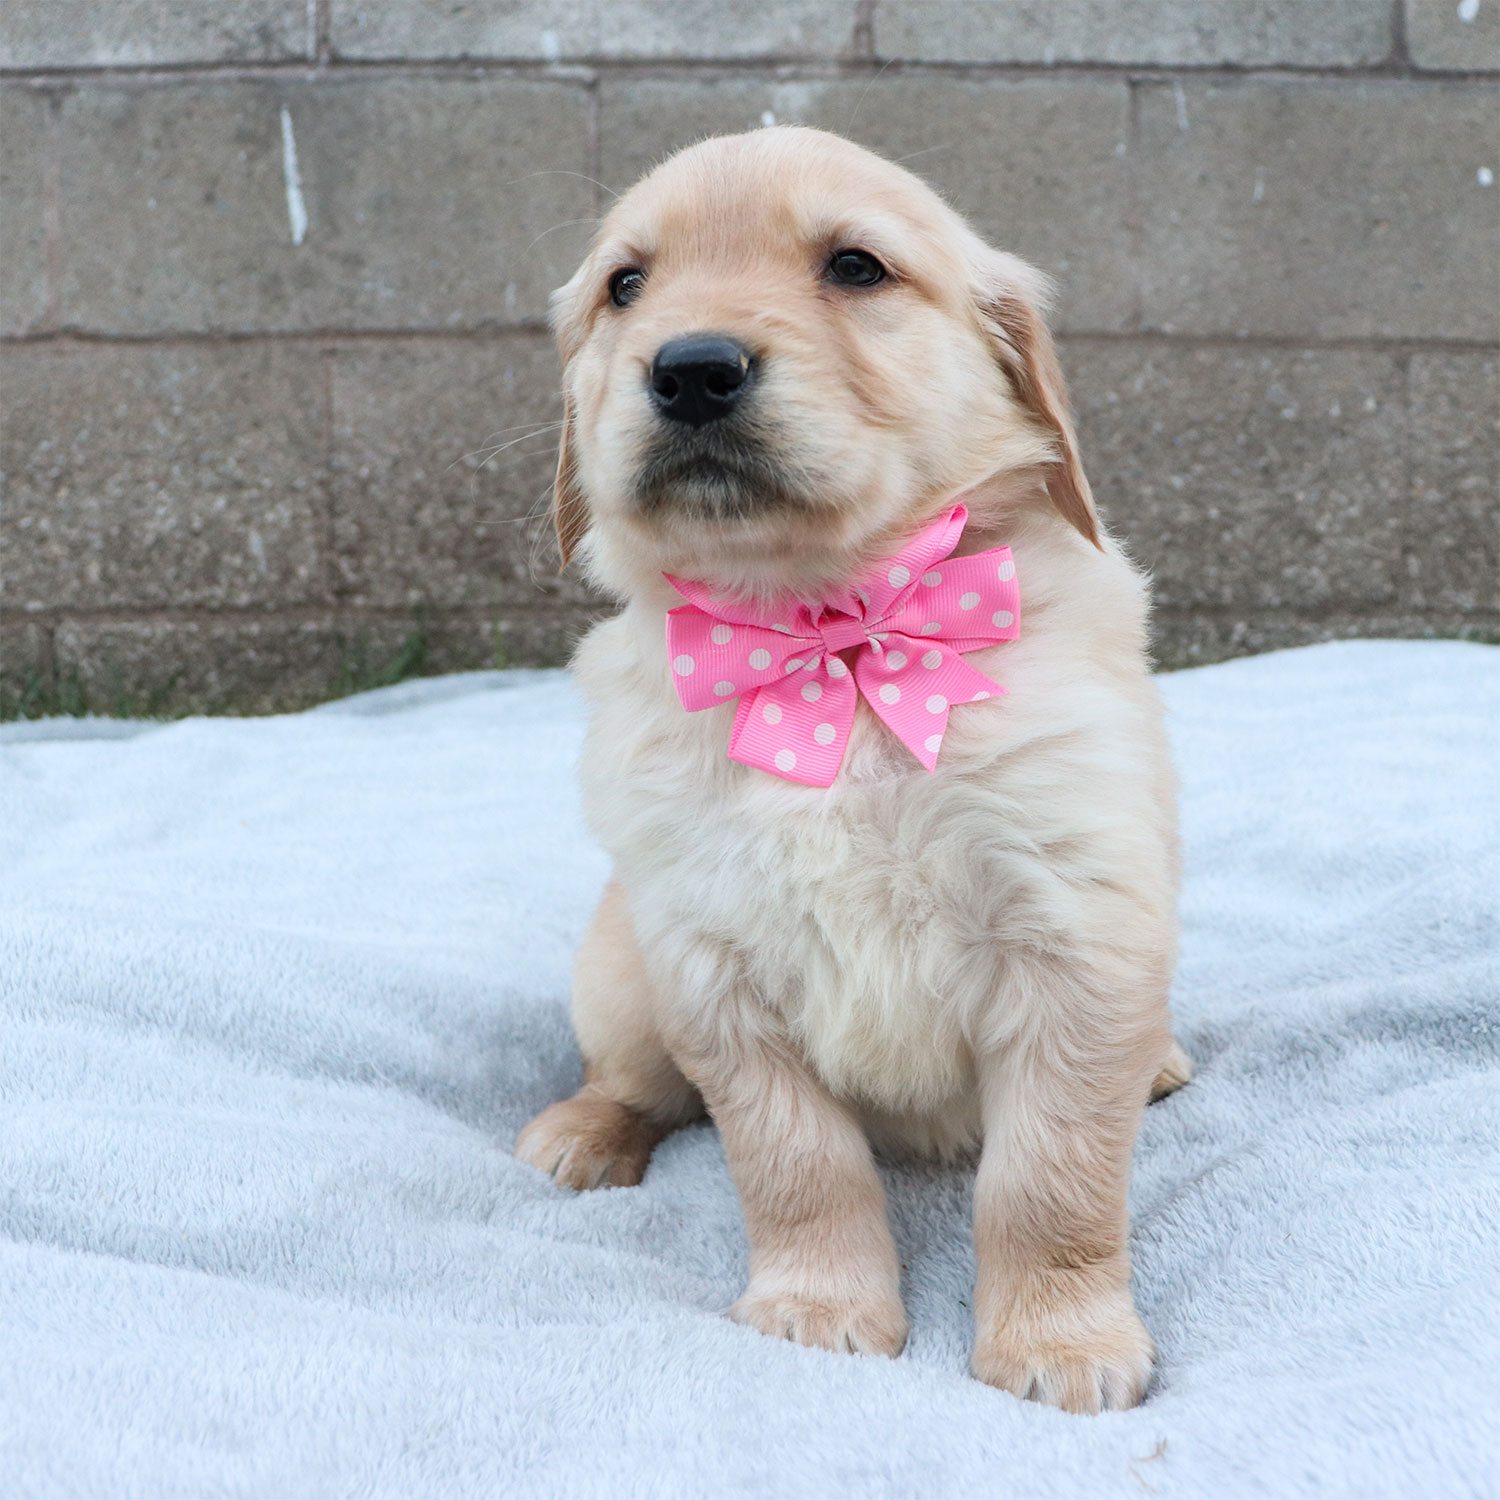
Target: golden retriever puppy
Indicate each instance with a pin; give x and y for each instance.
(788, 362)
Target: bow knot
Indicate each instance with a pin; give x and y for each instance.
(841, 631)
(911, 622)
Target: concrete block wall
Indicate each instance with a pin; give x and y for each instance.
(273, 279)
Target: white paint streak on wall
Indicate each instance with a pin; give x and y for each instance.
(551, 46)
(1467, 10)
(312, 30)
(1181, 98)
(1486, 177)
(767, 119)
(296, 209)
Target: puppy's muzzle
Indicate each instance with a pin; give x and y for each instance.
(701, 378)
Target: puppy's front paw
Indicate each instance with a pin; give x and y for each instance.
(846, 1323)
(588, 1141)
(1084, 1357)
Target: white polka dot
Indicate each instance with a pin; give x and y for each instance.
(724, 689)
(836, 668)
(1006, 570)
(793, 664)
(771, 713)
(933, 743)
(932, 579)
(936, 704)
(825, 734)
(784, 629)
(812, 691)
(1002, 618)
(760, 659)
(721, 635)
(979, 697)
(932, 659)
(931, 628)
(890, 693)
(969, 600)
(895, 660)
(683, 665)
(785, 760)
(863, 597)
(898, 577)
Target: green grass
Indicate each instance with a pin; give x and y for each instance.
(42, 696)
(361, 668)
(363, 664)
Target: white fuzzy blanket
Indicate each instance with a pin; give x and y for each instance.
(277, 995)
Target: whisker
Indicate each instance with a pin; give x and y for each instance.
(516, 427)
(926, 150)
(566, 224)
(484, 463)
(849, 128)
(560, 172)
(494, 452)
(541, 536)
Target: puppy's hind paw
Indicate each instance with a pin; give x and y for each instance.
(1176, 1071)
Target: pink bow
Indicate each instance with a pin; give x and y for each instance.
(908, 622)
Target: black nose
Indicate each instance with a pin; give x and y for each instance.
(700, 378)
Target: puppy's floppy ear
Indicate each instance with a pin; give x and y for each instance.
(1012, 299)
(570, 510)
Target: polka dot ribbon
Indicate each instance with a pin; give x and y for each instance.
(908, 623)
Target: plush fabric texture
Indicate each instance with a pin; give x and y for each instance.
(278, 994)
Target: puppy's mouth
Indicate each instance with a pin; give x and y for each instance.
(715, 475)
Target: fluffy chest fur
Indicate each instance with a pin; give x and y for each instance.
(871, 922)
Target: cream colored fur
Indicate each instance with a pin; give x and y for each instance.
(973, 960)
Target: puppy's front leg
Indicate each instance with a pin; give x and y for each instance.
(823, 1266)
(1054, 1317)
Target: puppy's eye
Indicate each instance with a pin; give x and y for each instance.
(625, 286)
(855, 268)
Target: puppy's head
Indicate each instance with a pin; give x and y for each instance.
(783, 352)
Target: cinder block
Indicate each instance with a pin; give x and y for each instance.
(709, 28)
(534, 30)
(166, 667)
(444, 453)
(429, 203)
(560, 30)
(135, 33)
(1455, 35)
(1330, 209)
(152, 476)
(1258, 479)
(379, 650)
(1194, 640)
(1453, 536)
(1039, 165)
(25, 669)
(23, 233)
(1344, 33)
